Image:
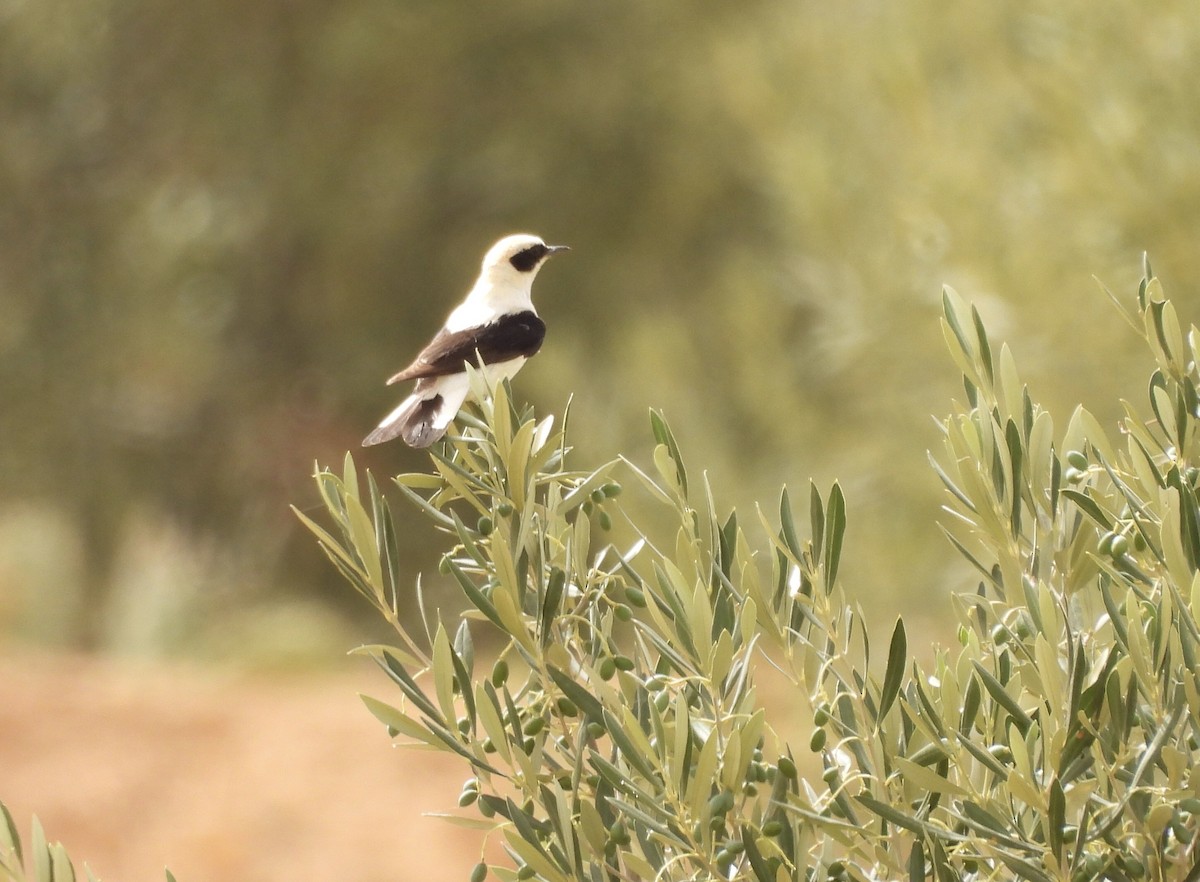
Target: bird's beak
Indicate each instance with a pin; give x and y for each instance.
(554, 249)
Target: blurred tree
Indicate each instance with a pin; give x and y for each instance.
(223, 224)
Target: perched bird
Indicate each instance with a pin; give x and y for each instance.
(496, 326)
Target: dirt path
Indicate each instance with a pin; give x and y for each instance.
(222, 777)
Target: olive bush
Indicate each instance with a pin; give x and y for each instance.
(620, 728)
(44, 861)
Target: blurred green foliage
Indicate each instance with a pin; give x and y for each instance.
(222, 225)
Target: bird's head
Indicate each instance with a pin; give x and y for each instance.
(516, 259)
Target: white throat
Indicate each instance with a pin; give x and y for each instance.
(489, 300)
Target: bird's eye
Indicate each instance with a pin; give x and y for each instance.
(528, 258)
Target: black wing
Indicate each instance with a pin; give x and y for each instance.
(510, 336)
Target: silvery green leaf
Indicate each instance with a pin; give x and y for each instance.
(894, 674)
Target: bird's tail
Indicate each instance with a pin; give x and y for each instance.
(423, 417)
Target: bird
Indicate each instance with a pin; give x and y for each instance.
(496, 325)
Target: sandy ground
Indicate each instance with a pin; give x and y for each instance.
(222, 777)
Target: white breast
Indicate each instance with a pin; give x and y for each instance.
(486, 303)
